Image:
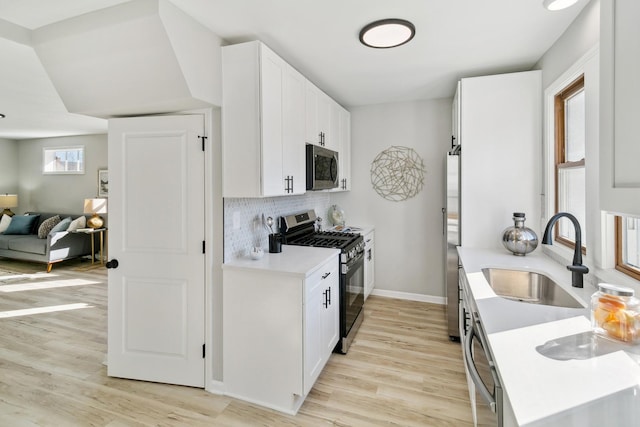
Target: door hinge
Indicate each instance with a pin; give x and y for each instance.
(203, 350)
(204, 247)
(203, 138)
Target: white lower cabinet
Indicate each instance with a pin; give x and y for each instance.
(279, 330)
(369, 263)
(321, 315)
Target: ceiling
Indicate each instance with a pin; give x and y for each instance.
(454, 39)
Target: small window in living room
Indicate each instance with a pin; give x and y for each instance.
(570, 159)
(63, 160)
(628, 245)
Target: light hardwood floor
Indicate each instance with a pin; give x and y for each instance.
(402, 370)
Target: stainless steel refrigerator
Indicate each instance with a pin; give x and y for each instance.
(452, 231)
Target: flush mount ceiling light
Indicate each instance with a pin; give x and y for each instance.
(558, 4)
(387, 33)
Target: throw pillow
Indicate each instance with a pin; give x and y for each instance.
(80, 222)
(47, 225)
(21, 224)
(4, 223)
(61, 226)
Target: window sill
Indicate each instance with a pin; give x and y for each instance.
(596, 275)
(611, 275)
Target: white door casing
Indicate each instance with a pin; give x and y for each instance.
(156, 306)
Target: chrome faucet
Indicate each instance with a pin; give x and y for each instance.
(576, 267)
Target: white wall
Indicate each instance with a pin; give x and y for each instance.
(582, 35)
(8, 166)
(409, 237)
(58, 193)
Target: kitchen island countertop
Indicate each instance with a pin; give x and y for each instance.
(553, 369)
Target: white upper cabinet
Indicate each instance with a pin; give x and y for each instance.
(619, 71)
(293, 145)
(455, 118)
(332, 139)
(322, 118)
(500, 138)
(344, 149)
(262, 123)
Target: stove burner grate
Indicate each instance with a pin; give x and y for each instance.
(326, 239)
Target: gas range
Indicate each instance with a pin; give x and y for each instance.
(301, 229)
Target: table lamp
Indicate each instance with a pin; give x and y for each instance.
(95, 207)
(8, 201)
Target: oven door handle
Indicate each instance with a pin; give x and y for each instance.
(473, 371)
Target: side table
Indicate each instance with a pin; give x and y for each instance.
(102, 233)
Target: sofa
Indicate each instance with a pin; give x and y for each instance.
(39, 240)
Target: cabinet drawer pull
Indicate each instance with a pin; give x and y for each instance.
(325, 275)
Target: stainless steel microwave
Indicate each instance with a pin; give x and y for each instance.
(322, 168)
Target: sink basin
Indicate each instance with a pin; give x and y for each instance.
(529, 287)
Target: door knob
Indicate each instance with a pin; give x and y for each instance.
(112, 264)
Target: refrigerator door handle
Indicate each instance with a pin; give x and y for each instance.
(444, 222)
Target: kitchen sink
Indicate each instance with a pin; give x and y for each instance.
(529, 287)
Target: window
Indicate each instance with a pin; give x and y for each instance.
(63, 160)
(628, 245)
(569, 121)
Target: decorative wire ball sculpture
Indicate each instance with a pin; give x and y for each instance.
(397, 173)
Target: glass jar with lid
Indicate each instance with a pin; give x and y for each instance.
(615, 313)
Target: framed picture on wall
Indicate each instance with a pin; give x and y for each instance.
(103, 183)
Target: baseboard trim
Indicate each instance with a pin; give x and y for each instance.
(216, 387)
(409, 296)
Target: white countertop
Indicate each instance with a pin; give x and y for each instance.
(553, 369)
(294, 260)
(360, 229)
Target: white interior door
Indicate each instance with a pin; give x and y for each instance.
(156, 233)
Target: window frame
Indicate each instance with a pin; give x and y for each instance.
(79, 148)
(620, 264)
(559, 99)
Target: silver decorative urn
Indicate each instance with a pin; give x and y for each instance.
(519, 240)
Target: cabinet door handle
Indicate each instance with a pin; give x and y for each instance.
(288, 184)
(325, 275)
(325, 303)
(328, 296)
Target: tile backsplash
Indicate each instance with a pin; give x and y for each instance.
(243, 226)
